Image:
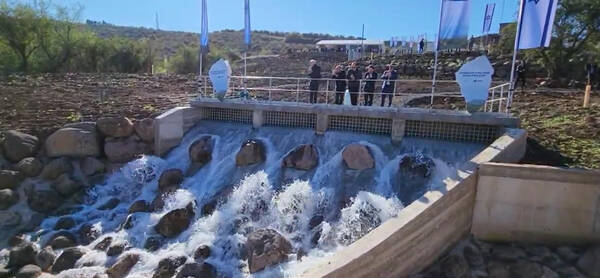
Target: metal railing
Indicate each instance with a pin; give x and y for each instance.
(499, 99)
(297, 90)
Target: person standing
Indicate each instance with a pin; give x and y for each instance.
(353, 75)
(521, 72)
(314, 72)
(340, 84)
(389, 76)
(369, 87)
(422, 46)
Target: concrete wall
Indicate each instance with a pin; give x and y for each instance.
(537, 204)
(170, 127)
(425, 229)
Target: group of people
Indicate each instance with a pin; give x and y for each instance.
(350, 79)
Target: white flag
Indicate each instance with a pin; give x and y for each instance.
(537, 18)
(454, 24)
(488, 17)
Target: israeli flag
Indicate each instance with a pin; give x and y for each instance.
(454, 24)
(247, 30)
(204, 28)
(488, 17)
(537, 18)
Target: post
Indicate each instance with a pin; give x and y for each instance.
(245, 72)
(435, 60)
(327, 92)
(298, 91)
(511, 89)
(586, 98)
(200, 70)
(270, 88)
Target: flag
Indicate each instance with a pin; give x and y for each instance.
(204, 28)
(454, 24)
(535, 28)
(487, 18)
(247, 31)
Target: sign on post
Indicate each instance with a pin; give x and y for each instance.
(219, 75)
(474, 79)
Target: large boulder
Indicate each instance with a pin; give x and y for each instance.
(266, 247)
(29, 271)
(22, 255)
(8, 198)
(589, 262)
(140, 206)
(88, 233)
(91, 166)
(18, 145)
(45, 258)
(89, 126)
(56, 168)
(123, 150)
(115, 126)
(203, 252)
(168, 266)
(65, 223)
(145, 129)
(358, 157)
(10, 219)
(175, 222)
(30, 166)
(122, 267)
(66, 186)
(44, 200)
(61, 240)
(67, 259)
(10, 179)
(201, 151)
(170, 180)
(104, 244)
(414, 171)
(251, 152)
(73, 142)
(304, 157)
(197, 270)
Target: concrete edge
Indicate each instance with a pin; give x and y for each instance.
(538, 172)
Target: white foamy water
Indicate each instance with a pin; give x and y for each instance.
(260, 198)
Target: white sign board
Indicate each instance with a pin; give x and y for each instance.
(219, 75)
(475, 78)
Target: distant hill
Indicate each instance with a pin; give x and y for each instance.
(168, 42)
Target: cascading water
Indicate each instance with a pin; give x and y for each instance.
(259, 196)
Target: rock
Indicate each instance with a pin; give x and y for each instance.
(8, 198)
(567, 254)
(455, 266)
(202, 252)
(56, 168)
(507, 253)
(589, 262)
(34, 222)
(18, 145)
(414, 171)
(175, 222)
(170, 180)
(103, 244)
(130, 221)
(168, 266)
(67, 259)
(29, 271)
(64, 223)
(110, 204)
(525, 269)
(62, 240)
(251, 152)
(570, 272)
(123, 150)
(122, 267)
(315, 221)
(266, 247)
(9, 218)
(22, 255)
(87, 233)
(153, 243)
(145, 129)
(30, 166)
(201, 151)
(5, 273)
(140, 206)
(209, 208)
(91, 166)
(44, 201)
(88, 126)
(72, 142)
(498, 270)
(474, 257)
(197, 270)
(116, 249)
(10, 179)
(115, 126)
(304, 157)
(66, 186)
(358, 157)
(16, 240)
(45, 258)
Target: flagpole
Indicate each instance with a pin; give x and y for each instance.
(245, 71)
(435, 62)
(511, 90)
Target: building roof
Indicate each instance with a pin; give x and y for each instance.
(350, 42)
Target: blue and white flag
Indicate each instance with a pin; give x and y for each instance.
(247, 30)
(488, 17)
(204, 28)
(454, 24)
(537, 18)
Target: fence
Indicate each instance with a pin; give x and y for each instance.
(407, 92)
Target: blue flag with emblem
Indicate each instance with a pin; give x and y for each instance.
(454, 24)
(537, 18)
(204, 28)
(247, 29)
(488, 17)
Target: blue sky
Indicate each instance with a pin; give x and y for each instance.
(382, 18)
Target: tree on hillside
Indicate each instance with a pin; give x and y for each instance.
(18, 26)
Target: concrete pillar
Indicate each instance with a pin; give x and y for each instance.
(168, 130)
(322, 123)
(258, 118)
(398, 127)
